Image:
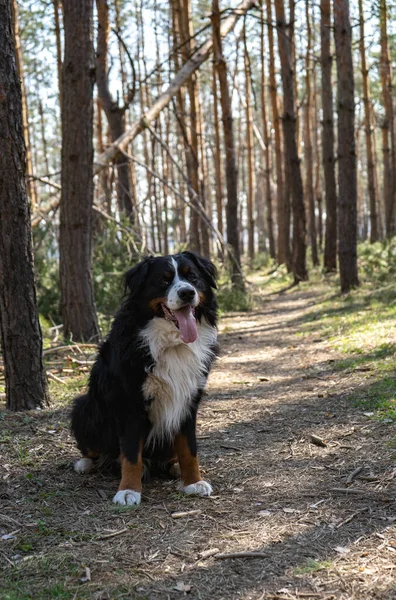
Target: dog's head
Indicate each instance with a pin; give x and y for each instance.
(177, 288)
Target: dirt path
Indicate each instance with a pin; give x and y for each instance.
(275, 491)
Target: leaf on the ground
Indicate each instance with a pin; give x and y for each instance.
(289, 510)
(182, 587)
(264, 513)
(263, 378)
(8, 536)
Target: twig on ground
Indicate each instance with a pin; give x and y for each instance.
(71, 347)
(113, 534)
(208, 553)
(318, 441)
(349, 519)
(55, 378)
(231, 448)
(187, 513)
(242, 555)
(354, 473)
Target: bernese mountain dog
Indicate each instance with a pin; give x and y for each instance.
(149, 376)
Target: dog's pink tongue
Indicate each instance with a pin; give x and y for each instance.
(187, 324)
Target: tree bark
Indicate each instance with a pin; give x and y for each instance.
(57, 30)
(283, 240)
(309, 175)
(368, 132)
(114, 112)
(267, 143)
(388, 125)
(330, 251)
(290, 135)
(347, 182)
(77, 301)
(21, 340)
(230, 165)
(250, 153)
(31, 185)
(217, 156)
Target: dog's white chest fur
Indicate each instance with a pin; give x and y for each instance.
(178, 373)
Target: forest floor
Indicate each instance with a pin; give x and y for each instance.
(305, 362)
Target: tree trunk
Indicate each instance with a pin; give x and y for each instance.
(21, 341)
(290, 135)
(330, 251)
(250, 153)
(368, 131)
(388, 124)
(267, 143)
(309, 183)
(77, 301)
(58, 48)
(347, 183)
(283, 240)
(217, 157)
(114, 112)
(230, 168)
(31, 185)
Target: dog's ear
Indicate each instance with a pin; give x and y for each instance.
(206, 267)
(135, 277)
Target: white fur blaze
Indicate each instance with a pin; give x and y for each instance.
(83, 465)
(200, 488)
(127, 498)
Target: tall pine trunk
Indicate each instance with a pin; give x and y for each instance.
(388, 125)
(290, 136)
(75, 242)
(283, 229)
(330, 251)
(250, 152)
(230, 168)
(115, 112)
(21, 340)
(267, 143)
(347, 182)
(309, 173)
(368, 131)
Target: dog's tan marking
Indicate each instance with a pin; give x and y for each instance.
(131, 473)
(189, 468)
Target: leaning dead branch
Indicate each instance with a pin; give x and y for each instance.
(189, 67)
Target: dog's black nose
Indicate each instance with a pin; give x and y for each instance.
(186, 294)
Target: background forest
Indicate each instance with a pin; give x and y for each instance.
(142, 202)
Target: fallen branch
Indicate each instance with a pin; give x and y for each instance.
(55, 378)
(189, 67)
(242, 555)
(349, 519)
(188, 513)
(113, 534)
(71, 347)
(354, 474)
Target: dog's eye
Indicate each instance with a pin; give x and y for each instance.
(193, 278)
(165, 282)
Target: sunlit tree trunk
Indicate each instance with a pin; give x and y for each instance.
(218, 174)
(231, 169)
(283, 240)
(368, 131)
(388, 124)
(290, 136)
(250, 153)
(267, 143)
(309, 183)
(57, 30)
(347, 183)
(330, 252)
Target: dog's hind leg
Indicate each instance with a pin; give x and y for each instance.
(86, 434)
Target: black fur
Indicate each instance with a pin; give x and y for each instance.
(112, 417)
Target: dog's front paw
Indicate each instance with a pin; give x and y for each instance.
(200, 488)
(127, 498)
(83, 465)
